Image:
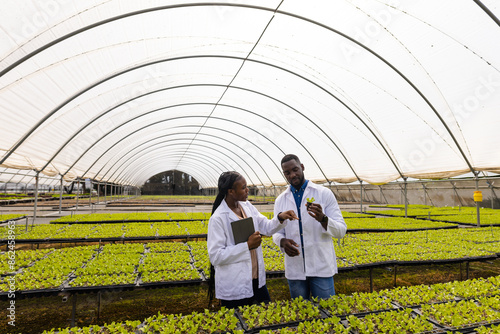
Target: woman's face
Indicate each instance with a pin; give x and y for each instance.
(239, 190)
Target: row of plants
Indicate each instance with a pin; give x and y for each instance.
(358, 249)
(134, 216)
(368, 248)
(360, 313)
(152, 216)
(427, 210)
(395, 223)
(153, 229)
(7, 217)
(110, 230)
(111, 264)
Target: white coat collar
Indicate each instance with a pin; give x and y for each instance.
(224, 209)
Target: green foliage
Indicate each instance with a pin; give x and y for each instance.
(401, 321)
(393, 224)
(461, 313)
(278, 312)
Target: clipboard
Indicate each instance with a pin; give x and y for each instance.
(242, 229)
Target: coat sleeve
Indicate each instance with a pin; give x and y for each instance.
(281, 233)
(221, 251)
(337, 227)
(264, 225)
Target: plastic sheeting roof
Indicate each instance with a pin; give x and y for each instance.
(369, 90)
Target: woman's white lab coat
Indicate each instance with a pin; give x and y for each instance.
(233, 265)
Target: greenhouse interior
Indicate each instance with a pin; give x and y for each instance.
(120, 121)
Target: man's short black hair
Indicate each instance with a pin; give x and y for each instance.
(289, 157)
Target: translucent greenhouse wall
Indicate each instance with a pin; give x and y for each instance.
(371, 91)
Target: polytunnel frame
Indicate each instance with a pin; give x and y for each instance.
(228, 57)
(179, 133)
(207, 147)
(151, 124)
(207, 179)
(275, 11)
(216, 163)
(144, 165)
(219, 56)
(198, 85)
(193, 116)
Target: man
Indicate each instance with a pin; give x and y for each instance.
(310, 261)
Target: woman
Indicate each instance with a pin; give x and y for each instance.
(240, 277)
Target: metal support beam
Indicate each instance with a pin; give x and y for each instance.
(361, 196)
(476, 179)
(406, 196)
(77, 191)
(60, 194)
(37, 177)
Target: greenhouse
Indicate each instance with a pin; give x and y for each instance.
(391, 105)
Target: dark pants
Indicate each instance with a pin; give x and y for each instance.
(259, 296)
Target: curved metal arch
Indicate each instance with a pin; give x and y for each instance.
(252, 7)
(93, 120)
(487, 11)
(211, 148)
(190, 116)
(208, 56)
(206, 178)
(209, 158)
(204, 183)
(212, 164)
(178, 133)
(206, 141)
(145, 164)
(203, 180)
(216, 164)
(132, 133)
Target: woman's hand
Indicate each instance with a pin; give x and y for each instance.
(290, 214)
(254, 240)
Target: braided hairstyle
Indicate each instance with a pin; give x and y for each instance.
(226, 182)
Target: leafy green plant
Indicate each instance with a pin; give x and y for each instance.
(278, 312)
(400, 321)
(460, 314)
(356, 303)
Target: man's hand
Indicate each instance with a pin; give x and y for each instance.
(254, 240)
(315, 211)
(290, 214)
(290, 247)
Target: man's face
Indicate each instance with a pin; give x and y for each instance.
(294, 172)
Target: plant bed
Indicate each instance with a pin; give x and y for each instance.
(327, 325)
(222, 321)
(461, 314)
(398, 321)
(357, 303)
(290, 312)
(414, 296)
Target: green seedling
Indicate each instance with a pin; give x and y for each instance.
(309, 201)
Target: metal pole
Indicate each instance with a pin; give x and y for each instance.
(98, 194)
(36, 197)
(60, 194)
(105, 192)
(406, 198)
(77, 191)
(90, 197)
(477, 203)
(361, 197)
